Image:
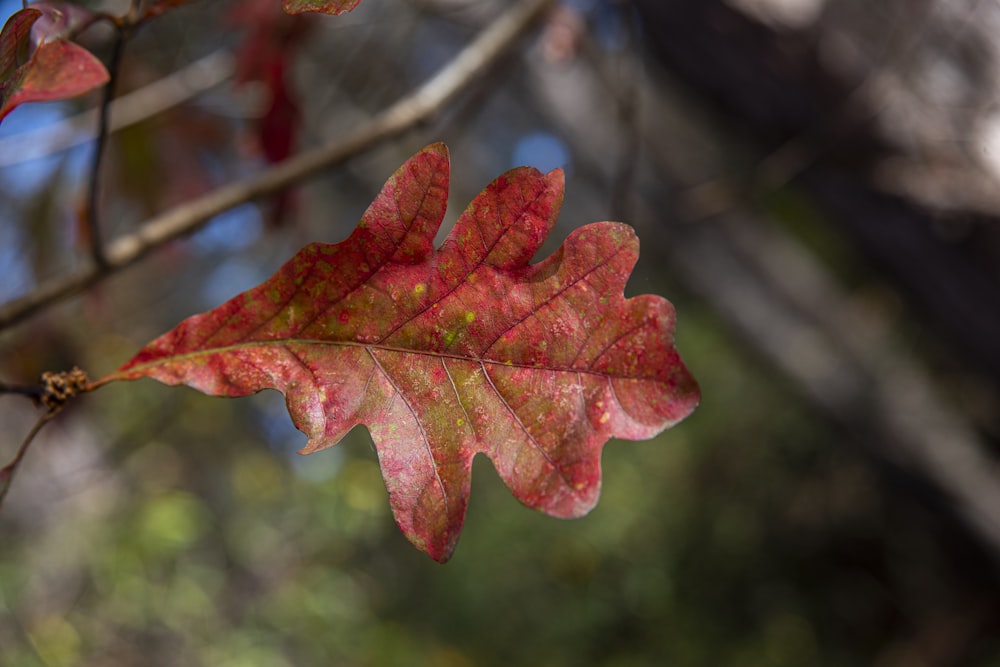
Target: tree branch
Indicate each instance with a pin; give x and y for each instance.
(488, 47)
(34, 392)
(54, 391)
(94, 190)
(8, 471)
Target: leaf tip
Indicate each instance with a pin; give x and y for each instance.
(311, 447)
(443, 555)
(438, 147)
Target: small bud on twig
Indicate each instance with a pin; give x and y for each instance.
(60, 387)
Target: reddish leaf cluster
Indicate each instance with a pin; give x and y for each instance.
(38, 64)
(266, 57)
(444, 354)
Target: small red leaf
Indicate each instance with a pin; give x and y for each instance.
(322, 6)
(447, 353)
(37, 65)
(15, 42)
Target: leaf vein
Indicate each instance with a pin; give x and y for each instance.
(458, 397)
(548, 301)
(614, 341)
(420, 426)
(520, 424)
(487, 250)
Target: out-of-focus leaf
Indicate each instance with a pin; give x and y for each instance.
(447, 353)
(15, 43)
(37, 64)
(59, 20)
(322, 6)
(265, 56)
(161, 6)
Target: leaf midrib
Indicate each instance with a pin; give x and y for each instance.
(282, 342)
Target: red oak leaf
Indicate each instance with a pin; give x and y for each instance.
(447, 353)
(37, 64)
(322, 6)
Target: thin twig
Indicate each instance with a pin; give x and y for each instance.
(93, 221)
(55, 390)
(491, 44)
(32, 391)
(8, 471)
(134, 12)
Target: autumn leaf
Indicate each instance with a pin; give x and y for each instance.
(447, 353)
(37, 64)
(323, 6)
(266, 56)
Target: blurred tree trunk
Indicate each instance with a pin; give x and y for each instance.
(775, 90)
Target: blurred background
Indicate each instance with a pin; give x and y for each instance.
(815, 186)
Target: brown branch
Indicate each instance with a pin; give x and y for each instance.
(93, 221)
(8, 471)
(33, 392)
(488, 47)
(53, 393)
